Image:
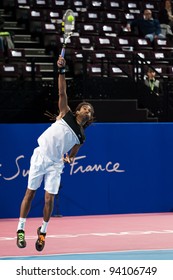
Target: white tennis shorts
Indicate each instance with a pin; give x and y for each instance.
(42, 168)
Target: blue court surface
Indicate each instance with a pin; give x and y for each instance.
(126, 255)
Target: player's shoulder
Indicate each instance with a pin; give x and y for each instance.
(63, 114)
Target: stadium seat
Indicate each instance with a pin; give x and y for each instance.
(163, 44)
(9, 72)
(95, 5)
(36, 19)
(96, 70)
(37, 4)
(120, 71)
(98, 56)
(78, 6)
(81, 43)
(16, 55)
(112, 16)
(144, 54)
(86, 28)
(53, 16)
(92, 16)
(111, 5)
(124, 43)
(120, 57)
(22, 3)
(31, 73)
(59, 4)
(104, 42)
(142, 44)
(132, 6)
(150, 5)
(161, 56)
(109, 29)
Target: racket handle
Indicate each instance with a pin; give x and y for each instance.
(63, 52)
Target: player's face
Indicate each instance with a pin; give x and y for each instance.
(85, 112)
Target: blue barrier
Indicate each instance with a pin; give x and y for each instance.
(122, 168)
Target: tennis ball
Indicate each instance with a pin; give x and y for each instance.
(70, 18)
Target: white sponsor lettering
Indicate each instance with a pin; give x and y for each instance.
(75, 168)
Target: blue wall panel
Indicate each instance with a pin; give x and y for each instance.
(122, 168)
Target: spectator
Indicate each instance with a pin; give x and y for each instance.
(153, 93)
(6, 41)
(166, 18)
(147, 26)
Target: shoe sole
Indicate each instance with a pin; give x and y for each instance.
(21, 247)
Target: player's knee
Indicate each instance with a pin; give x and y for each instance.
(49, 198)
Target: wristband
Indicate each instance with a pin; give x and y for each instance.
(61, 70)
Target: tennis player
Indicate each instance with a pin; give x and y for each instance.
(65, 135)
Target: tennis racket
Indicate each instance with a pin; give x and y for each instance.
(68, 25)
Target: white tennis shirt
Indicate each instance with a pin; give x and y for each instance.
(57, 140)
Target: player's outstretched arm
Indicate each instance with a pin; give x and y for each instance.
(63, 100)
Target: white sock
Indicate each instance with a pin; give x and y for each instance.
(44, 227)
(21, 224)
